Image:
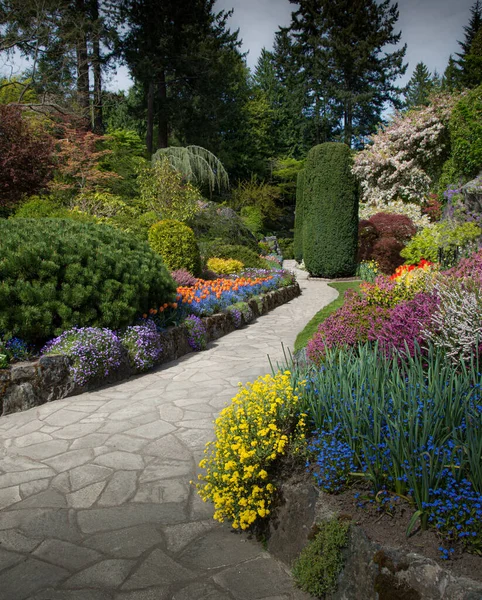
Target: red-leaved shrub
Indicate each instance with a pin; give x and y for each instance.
(26, 156)
(382, 237)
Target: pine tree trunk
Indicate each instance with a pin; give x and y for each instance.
(82, 59)
(150, 118)
(97, 68)
(162, 135)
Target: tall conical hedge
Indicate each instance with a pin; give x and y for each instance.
(330, 212)
(298, 242)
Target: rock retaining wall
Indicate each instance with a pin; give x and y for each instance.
(28, 384)
(371, 571)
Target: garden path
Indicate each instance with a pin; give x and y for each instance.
(95, 500)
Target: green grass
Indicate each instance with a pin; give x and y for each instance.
(311, 328)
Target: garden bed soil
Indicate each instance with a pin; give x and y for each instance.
(379, 554)
(388, 530)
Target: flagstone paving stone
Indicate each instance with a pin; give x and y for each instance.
(95, 494)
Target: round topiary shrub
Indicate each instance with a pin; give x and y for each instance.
(57, 274)
(176, 243)
(330, 212)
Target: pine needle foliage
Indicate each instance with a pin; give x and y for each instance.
(330, 212)
(197, 165)
(56, 274)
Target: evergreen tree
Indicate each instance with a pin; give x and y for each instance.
(420, 86)
(331, 57)
(471, 29)
(172, 48)
(472, 66)
(291, 121)
(451, 77)
(469, 62)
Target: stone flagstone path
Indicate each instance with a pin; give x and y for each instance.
(95, 500)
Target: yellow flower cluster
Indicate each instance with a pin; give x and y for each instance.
(251, 433)
(225, 266)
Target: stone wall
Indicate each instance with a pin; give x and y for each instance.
(28, 384)
(371, 571)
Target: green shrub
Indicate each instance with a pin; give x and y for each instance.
(253, 219)
(176, 243)
(217, 249)
(440, 236)
(46, 207)
(56, 274)
(215, 221)
(287, 248)
(330, 212)
(317, 568)
(466, 134)
(298, 242)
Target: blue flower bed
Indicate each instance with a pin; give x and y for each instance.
(407, 426)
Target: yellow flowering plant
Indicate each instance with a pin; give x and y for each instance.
(260, 425)
(225, 266)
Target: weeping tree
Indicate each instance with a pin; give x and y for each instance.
(197, 165)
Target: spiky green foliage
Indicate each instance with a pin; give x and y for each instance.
(330, 212)
(298, 244)
(198, 165)
(176, 243)
(56, 274)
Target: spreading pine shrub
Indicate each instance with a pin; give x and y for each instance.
(330, 212)
(176, 243)
(298, 243)
(56, 274)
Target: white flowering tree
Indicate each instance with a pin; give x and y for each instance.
(401, 161)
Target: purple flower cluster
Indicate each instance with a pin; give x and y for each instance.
(143, 345)
(236, 316)
(196, 333)
(93, 352)
(468, 268)
(404, 329)
(354, 322)
(183, 278)
(399, 327)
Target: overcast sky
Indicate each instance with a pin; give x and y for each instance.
(430, 28)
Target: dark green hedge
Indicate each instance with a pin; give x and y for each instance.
(298, 243)
(56, 274)
(330, 212)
